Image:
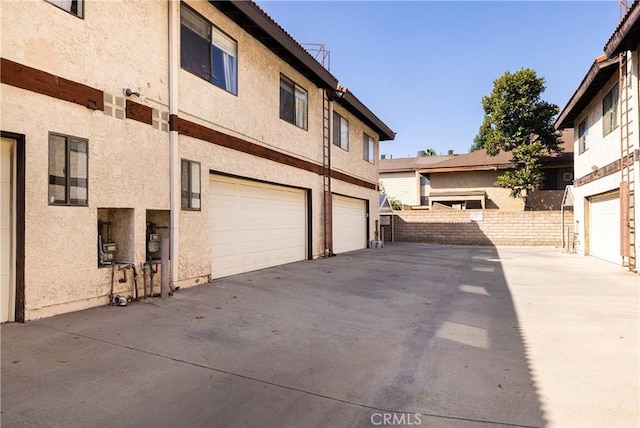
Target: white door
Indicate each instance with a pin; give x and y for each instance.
(7, 284)
(604, 228)
(254, 225)
(349, 224)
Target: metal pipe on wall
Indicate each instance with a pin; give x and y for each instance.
(174, 57)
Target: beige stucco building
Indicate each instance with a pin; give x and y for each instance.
(128, 123)
(604, 114)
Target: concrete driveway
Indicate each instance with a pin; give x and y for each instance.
(407, 335)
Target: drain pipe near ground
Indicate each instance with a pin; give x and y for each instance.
(174, 32)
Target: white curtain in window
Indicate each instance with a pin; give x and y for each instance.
(301, 108)
(195, 185)
(228, 47)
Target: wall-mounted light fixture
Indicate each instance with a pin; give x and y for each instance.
(128, 92)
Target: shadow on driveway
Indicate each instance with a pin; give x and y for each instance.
(407, 335)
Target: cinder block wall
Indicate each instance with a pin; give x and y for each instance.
(526, 228)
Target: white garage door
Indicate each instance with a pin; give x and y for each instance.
(604, 228)
(254, 225)
(349, 224)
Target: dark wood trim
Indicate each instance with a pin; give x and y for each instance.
(194, 130)
(606, 170)
(139, 112)
(20, 221)
(352, 180)
(368, 222)
(309, 225)
(31, 79)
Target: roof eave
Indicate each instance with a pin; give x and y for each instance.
(627, 35)
(356, 107)
(468, 168)
(597, 76)
(256, 22)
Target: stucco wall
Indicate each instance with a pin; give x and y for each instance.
(128, 160)
(497, 197)
(61, 270)
(403, 186)
(602, 149)
(497, 227)
(97, 50)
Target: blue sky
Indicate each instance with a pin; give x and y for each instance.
(424, 66)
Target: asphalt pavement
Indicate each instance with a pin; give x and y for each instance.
(406, 335)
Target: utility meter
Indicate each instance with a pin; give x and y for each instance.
(153, 243)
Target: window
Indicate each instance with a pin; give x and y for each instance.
(190, 185)
(610, 111)
(583, 133)
(340, 131)
(369, 150)
(74, 7)
(293, 103)
(68, 170)
(207, 52)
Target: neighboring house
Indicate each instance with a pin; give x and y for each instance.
(604, 113)
(128, 123)
(468, 181)
(402, 181)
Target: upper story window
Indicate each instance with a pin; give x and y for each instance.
(583, 134)
(207, 52)
(68, 170)
(293, 103)
(74, 7)
(610, 111)
(368, 148)
(340, 131)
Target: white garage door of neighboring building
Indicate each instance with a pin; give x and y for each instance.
(604, 228)
(349, 224)
(254, 225)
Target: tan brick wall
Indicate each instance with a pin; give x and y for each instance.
(526, 228)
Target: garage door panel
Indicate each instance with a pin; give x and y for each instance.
(349, 224)
(254, 225)
(604, 228)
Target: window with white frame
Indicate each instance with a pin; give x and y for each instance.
(368, 148)
(207, 52)
(74, 7)
(340, 131)
(190, 185)
(583, 134)
(68, 170)
(610, 111)
(293, 103)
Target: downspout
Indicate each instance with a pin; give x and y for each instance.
(174, 46)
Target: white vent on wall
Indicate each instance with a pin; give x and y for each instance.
(114, 106)
(161, 120)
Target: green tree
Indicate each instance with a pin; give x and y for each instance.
(430, 152)
(517, 120)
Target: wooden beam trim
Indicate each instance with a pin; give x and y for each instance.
(139, 112)
(194, 130)
(31, 79)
